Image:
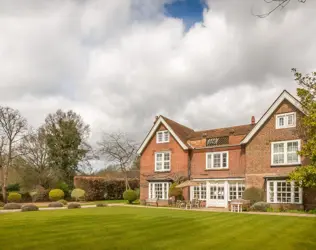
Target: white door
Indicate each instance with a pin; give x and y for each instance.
(217, 195)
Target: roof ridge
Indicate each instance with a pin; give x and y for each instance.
(176, 122)
(237, 126)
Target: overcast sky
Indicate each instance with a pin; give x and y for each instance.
(119, 63)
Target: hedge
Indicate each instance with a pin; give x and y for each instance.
(99, 188)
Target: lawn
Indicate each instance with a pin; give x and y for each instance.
(145, 228)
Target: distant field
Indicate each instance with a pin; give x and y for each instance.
(146, 228)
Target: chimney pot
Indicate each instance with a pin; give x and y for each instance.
(253, 120)
(156, 118)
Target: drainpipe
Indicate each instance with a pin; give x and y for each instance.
(190, 155)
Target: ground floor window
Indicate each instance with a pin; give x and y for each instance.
(236, 190)
(199, 192)
(159, 190)
(282, 191)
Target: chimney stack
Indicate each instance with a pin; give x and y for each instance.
(253, 120)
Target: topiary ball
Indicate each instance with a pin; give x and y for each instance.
(64, 202)
(130, 195)
(56, 194)
(55, 204)
(74, 205)
(29, 207)
(10, 206)
(14, 197)
(78, 194)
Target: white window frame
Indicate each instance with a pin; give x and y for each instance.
(199, 187)
(285, 153)
(236, 185)
(275, 193)
(162, 132)
(163, 161)
(165, 190)
(221, 160)
(286, 120)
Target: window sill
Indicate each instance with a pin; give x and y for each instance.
(217, 169)
(287, 165)
(294, 203)
(162, 171)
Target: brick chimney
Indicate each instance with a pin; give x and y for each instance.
(253, 120)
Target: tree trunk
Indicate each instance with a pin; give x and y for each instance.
(4, 179)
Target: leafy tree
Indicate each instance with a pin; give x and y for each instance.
(306, 176)
(12, 128)
(66, 136)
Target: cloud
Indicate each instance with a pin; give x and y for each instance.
(120, 63)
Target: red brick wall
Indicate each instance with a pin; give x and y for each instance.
(258, 150)
(236, 163)
(179, 162)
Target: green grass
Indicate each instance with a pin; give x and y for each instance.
(146, 228)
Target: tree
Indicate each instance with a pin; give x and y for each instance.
(12, 127)
(33, 163)
(277, 4)
(306, 176)
(119, 149)
(66, 136)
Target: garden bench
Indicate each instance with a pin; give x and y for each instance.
(152, 201)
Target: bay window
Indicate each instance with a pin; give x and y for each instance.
(285, 152)
(282, 191)
(159, 190)
(217, 160)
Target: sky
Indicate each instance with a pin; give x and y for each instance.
(206, 64)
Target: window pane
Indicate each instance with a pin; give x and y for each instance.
(290, 119)
(167, 156)
(158, 190)
(159, 136)
(278, 148)
(166, 136)
(216, 160)
(203, 191)
(232, 191)
(209, 161)
(159, 166)
(281, 121)
(166, 165)
(159, 157)
(224, 160)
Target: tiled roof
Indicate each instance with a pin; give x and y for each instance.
(186, 134)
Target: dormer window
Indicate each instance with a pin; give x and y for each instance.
(287, 120)
(162, 136)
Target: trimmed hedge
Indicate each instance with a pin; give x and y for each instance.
(10, 206)
(14, 197)
(99, 188)
(29, 207)
(74, 205)
(55, 204)
(56, 194)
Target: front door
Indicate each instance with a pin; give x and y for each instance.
(216, 195)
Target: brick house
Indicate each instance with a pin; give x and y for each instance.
(226, 161)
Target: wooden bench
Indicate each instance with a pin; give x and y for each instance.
(152, 201)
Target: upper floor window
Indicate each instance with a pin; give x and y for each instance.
(285, 152)
(217, 160)
(162, 161)
(287, 120)
(162, 136)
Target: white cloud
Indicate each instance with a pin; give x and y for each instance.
(119, 63)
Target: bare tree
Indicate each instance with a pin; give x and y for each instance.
(120, 150)
(34, 153)
(276, 4)
(12, 127)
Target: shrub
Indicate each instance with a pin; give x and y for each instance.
(14, 197)
(175, 192)
(137, 190)
(312, 211)
(130, 195)
(101, 205)
(55, 204)
(260, 206)
(33, 195)
(78, 194)
(26, 197)
(29, 207)
(99, 188)
(63, 186)
(56, 194)
(10, 206)
(64, 202)
(1, 204)
(253, 194)
(13, 187)
(39, 194)
(74, 205)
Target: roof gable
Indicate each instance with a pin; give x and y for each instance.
(178, 131)
(284, 96)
